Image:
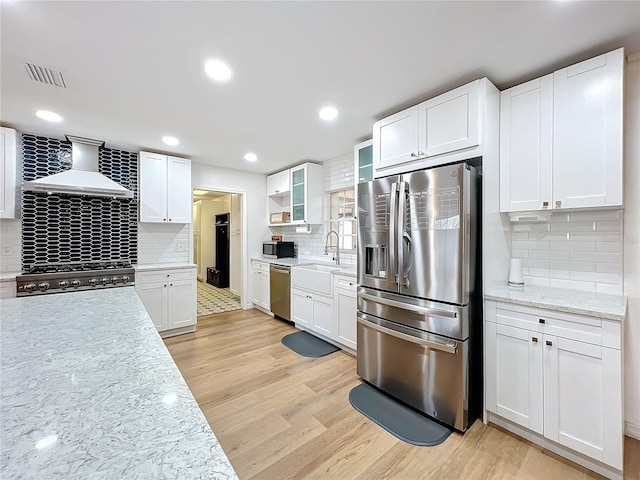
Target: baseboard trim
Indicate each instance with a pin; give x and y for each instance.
(632, 430)
(571, 455)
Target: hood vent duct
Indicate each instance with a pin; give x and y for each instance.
(45, 75)
(83, 178)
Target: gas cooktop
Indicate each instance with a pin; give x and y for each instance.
(64, 277)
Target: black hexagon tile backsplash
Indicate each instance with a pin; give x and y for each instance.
(68, 228)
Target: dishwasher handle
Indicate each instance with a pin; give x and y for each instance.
(283, 270)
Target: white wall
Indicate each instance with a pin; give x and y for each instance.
(235, 254)
(254, 187)
(632, 244)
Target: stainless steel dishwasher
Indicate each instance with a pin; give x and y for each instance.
(280, 288)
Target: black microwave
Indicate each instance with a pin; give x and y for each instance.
(279, 249)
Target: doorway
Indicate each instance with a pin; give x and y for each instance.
(217, 250)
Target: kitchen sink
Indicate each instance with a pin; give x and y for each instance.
(313, 277)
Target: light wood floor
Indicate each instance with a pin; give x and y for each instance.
(279, 415)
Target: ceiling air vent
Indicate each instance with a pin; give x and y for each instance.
(45, 75)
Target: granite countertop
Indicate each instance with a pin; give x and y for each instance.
(90, 391)
(162, 266)
(598, 305)
(349, 270)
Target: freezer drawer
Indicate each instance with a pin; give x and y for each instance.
(426, 371)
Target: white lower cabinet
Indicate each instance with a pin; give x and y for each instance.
(314, 311)
(345, 310)
(170, 298)
(560, 376)
(260, 285)
(333, 316)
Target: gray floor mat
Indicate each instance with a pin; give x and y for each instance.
(396, 418)
(307, 345)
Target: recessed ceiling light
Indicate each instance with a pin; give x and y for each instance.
(170, 140)
(328, 114)
(48, 116)
(251, 157)
(217, 70)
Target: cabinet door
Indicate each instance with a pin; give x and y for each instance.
(395, 138)
(278, 183)
(449, 122)
(587, 142)
(153, 187)
(182, 303)
(154, 299)
(346, 314)
(323, 318)
(179, 197)
(363, 162)
(298, 194)
(9, 174)
(526, 146)
(265, 290)
(583, 398)
(301, 308)
(514, 373)
(256, 286)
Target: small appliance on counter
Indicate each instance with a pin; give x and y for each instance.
(515, 273)
(279, 249)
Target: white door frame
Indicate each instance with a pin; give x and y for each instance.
(244, 294)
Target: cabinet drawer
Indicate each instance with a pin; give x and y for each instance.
(574, 327)
(165, 275)
(261, 266)
(346, 283)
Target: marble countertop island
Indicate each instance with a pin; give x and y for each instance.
(90, 391)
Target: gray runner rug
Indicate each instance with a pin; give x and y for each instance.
(396, 418)
(307, 345)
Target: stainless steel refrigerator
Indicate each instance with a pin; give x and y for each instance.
(419, 314)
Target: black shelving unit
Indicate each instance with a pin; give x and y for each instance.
(220, 276)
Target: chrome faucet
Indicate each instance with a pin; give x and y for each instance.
(326, 246)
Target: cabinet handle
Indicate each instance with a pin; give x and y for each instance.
(277, 191)
(168, 275)
(164, 219)
(171, 284)
(545, 204)
(558, 203)
(542, 320)
(169, 219)
(549, 343)
(414, 154)
(308, 296)
(165, 285)
(534, 339)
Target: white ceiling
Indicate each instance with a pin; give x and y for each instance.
(134, 70)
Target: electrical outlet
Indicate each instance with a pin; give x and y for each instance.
(180, 247)
(6, 249)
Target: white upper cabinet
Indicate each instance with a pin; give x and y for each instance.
(165, 189)
(306, 193)
(9, 174)
(395, 138)
(448, 123)
(587, 142)
(561, 138)
(526, 145)
(278, 183)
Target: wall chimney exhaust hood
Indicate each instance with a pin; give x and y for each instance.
(83, 178)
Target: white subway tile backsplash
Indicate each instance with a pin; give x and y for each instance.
(575, 250)
(573, 285)
(573, 246)
(163, 243)
(550, 254)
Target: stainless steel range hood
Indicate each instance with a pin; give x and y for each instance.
(83, 178)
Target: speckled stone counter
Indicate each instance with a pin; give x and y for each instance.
(90, 391)
(598, 305)
(162, 266)
(293, 262)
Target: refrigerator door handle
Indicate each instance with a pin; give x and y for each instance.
(444, 347)
(408, 306)
(402, 234)
(393, 207)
